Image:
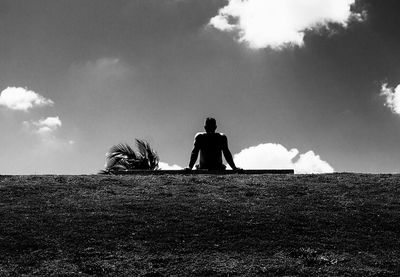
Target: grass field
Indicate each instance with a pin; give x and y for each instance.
(186, 225)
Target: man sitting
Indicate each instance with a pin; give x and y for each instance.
(211, 145)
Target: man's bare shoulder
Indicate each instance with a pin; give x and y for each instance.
(199, 134)
(222, 136)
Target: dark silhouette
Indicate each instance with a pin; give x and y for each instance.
(122, 157)
(211, 145)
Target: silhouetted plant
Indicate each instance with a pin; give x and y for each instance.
(122, 157)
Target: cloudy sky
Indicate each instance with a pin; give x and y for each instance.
(306, 84)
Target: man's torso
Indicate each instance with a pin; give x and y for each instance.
(211, 146)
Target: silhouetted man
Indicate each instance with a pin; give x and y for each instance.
(211, 145)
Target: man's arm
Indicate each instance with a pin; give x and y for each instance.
(195, 152)
(228, 154)
(193, 157)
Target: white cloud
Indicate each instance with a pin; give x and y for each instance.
(276, 156)
(274, 23)
(165, 166)
(18, 98)
(51, 122)
(392, 97)
(311, 163)
(44, 127)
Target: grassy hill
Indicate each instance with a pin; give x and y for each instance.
(233, 225)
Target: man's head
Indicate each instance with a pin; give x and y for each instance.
(210, 125)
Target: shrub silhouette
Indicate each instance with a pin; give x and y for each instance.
(121, 157)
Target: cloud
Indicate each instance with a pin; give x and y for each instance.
(392, 97)
(46, 131)
(18, 98)
(102, 70)
(271, 155)
(165, 166)
(103, 81)
(275, 23)
(50, 124)
(44, 127)
(311, 163)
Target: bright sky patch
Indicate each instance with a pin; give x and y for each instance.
(166, 166)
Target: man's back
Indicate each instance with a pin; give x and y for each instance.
(211, 146)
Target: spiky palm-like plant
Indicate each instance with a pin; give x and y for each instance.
(121, 157)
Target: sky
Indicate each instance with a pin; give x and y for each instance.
(306, 84)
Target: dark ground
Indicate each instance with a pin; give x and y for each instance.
(233, 225)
